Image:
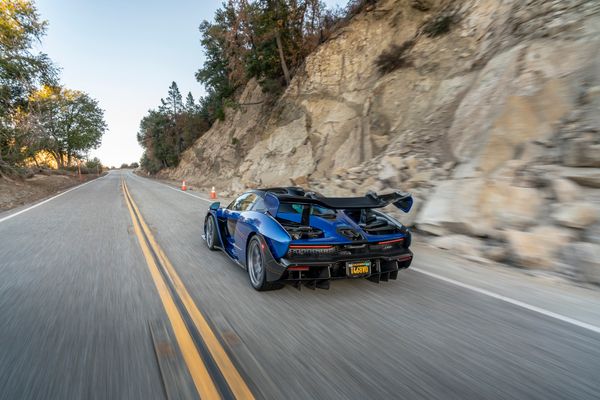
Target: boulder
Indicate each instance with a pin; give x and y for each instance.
(395, 161)
(592, 233)
(505, 205)
(589, 177)
(411, 162)
(453, 207)
(582, 260)
(565, 190)
(421, 177)
(300, 181)
(581, 152)
(495, 252)
(463, 245)
(539, 247)
(576, 215)
(388, 173)
(591, 94)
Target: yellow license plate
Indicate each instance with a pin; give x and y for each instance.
(359, 268)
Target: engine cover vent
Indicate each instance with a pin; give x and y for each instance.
(349, 233)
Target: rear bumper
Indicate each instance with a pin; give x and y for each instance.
(319, 273)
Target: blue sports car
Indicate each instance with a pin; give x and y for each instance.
(289, 235)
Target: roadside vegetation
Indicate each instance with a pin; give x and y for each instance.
(171, 128)
(266, 40)
(42, 123)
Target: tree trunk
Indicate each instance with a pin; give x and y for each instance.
(57, 159)
(286, 72)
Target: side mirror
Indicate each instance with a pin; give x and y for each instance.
(215, 206)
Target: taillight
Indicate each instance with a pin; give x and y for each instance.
(301, 246)
(299, 268)
(392, 241)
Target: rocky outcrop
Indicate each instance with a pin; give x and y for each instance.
(494, 127)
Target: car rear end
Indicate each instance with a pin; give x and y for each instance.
(338, 239)
(317, 264)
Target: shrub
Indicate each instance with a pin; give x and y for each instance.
(94, 164)
(439, 25)
(397, 56)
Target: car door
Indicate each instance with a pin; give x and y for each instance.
(232, 214)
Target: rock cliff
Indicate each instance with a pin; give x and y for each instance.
(489, 114)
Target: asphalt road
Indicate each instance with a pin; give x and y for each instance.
(77, 296)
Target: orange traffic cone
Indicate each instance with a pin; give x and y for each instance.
(183, 186)
(213, 193)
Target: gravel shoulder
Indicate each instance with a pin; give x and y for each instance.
(18, 192)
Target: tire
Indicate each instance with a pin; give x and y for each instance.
(210, 233)
(255, 265)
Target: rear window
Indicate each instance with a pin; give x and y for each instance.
(297, 209)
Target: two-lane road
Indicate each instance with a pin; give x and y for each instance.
(77, 295)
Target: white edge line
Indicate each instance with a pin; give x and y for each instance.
(518, 303)
(135, 177)
(47, 200)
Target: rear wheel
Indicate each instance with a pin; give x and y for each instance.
(210, 232)
(255, 264)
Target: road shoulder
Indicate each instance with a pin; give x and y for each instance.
(544, 291)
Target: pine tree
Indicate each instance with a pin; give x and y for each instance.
(173, 104)
(190, 104)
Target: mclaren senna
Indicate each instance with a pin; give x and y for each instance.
(292, 236)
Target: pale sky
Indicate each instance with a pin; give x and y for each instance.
(125, 54)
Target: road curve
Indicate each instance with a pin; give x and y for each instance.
(76, 298)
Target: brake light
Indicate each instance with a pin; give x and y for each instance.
(300, 247)
(298, 268)
(392, 241)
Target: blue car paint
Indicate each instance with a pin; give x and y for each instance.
(248, 223)
(330, 229)
(276, 237)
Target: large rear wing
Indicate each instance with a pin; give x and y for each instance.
(402, 201)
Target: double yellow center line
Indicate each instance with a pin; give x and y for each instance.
(196, 365)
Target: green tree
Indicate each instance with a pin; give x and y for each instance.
(165, 132)
(21, 70)
(173, 104)
(69, 123)
(190, 104)
(94, 164)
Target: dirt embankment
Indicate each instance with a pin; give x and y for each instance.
(19, 191)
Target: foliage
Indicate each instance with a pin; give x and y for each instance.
(263, 39)
(21, 70)
(439, 25)
(94, 164)
(397, 56)
(167, 131)
(38, 117)
(66, 123)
